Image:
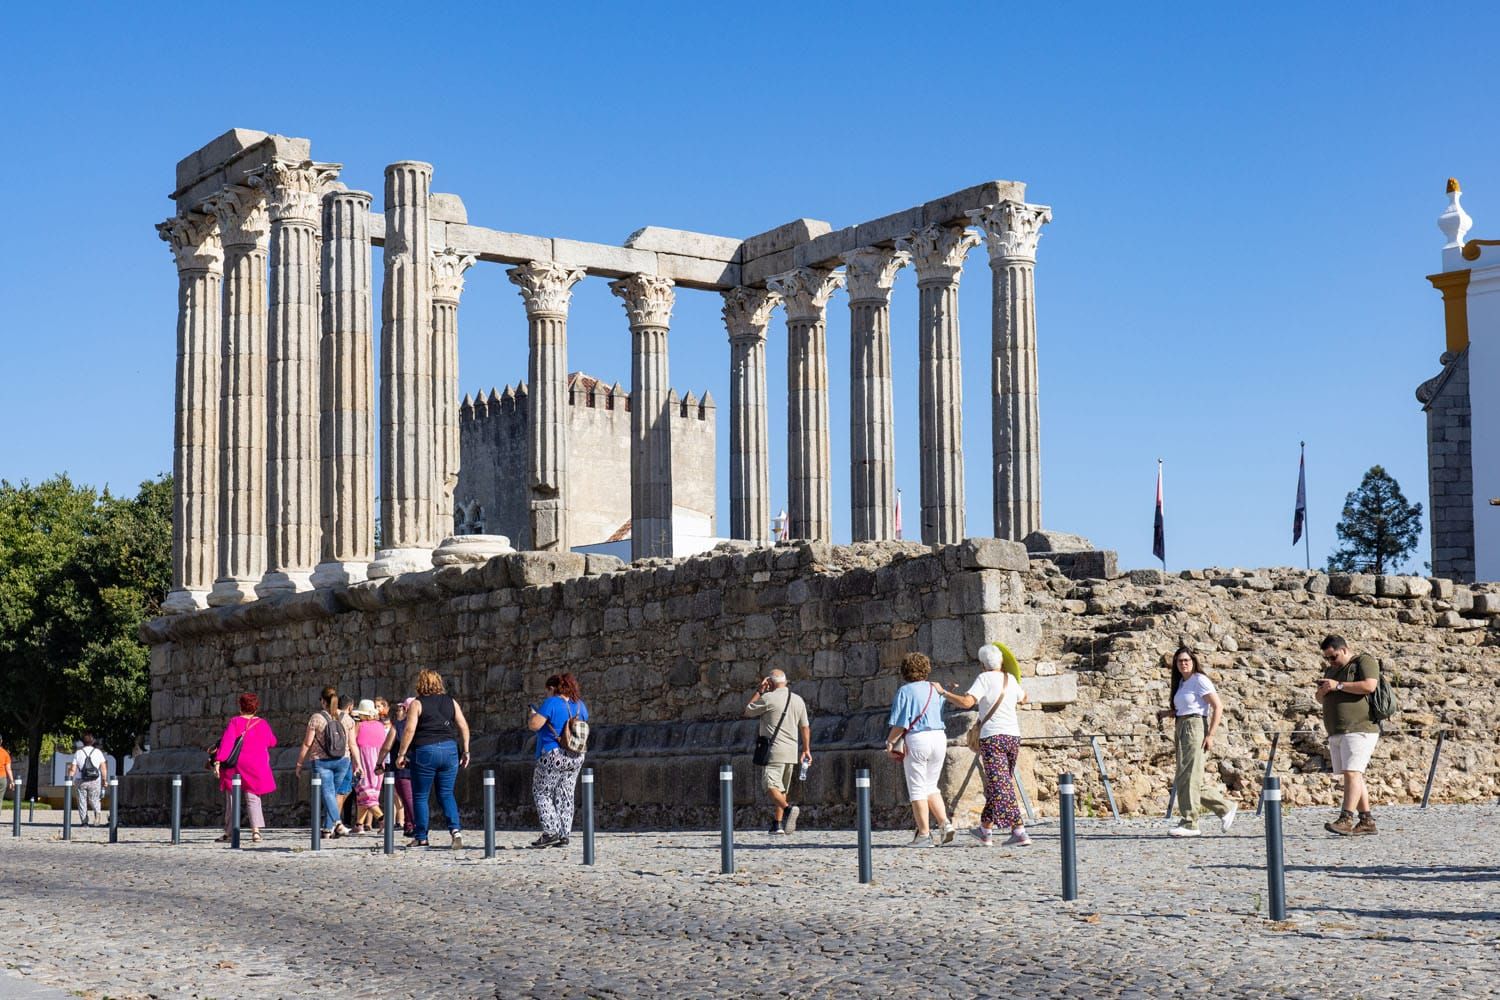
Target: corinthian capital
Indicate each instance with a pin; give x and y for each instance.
(194, 239)
(806, 291)
(747, 312)
(546, 287)
(448, 267)
(872, 272)
(648, 299)
(241, 211)
(938, 252)
(1012, 228)
(294, 191)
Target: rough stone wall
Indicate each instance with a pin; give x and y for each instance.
(1450, 469)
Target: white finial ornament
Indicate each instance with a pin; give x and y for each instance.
(1454, 222)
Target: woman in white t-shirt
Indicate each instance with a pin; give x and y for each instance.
(995, 693)
(1197, 708)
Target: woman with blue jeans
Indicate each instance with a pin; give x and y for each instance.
(334, 766)
(434, 744)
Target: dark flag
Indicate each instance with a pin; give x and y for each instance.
(1299, 516)
(1159, 535)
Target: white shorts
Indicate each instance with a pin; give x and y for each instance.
(923, 762)
(1351, 751)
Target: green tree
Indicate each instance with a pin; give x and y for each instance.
(1379, 528)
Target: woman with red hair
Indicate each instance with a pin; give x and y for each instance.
(559, 760)
(245, 749)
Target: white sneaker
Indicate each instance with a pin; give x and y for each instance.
(1184, 831)
(1227, 820)
(789, 825)
(949, 832)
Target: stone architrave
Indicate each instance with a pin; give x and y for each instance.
(648, 304)
(347, 376)
(937, 253)
(805, 291)
(194, 239)
(408, 439)
(546, 288)
(747, 316)
(872, 454)
(1012, 230)
(294, 193)
(245, 231)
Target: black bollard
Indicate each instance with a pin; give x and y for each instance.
(388, 805)
(176, 808)
(489, 814)
(68, 814)
(1275, 862)
(1432, 771)
(31, 812)
(1270, 763)
(588, 815)
(317, 813)
(862, 800)
(235, 789)
(726, 819)
(114, 810)
(15, 815)
(1065, 794)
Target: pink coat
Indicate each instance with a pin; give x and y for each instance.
(255, 755)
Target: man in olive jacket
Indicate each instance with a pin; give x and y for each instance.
(1343, 691)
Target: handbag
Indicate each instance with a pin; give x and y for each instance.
(234, 752)
(762, 755)
(972, 736)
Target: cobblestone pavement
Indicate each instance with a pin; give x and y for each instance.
(1414, 911)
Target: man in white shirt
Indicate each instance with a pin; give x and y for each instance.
(89, 770)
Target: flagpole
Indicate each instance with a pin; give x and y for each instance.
(1306, 536)
(1158, 491)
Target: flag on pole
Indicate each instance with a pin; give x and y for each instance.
(1159, 533)
(898, 514)
(1299, 515)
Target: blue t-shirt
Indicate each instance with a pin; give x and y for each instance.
(556, 710)
(907, 708)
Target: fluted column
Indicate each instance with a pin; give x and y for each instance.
(937, 252)
(294, 194)
(194, 239)
(408, 439)
(872, 453)
(245, 230)
(547, 288)
(448, 267)
(1012, 230)
(806, 291)
(648, 304)
(347, 397)
(747, 315)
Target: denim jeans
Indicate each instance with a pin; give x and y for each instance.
(436, 763)
(334, 774)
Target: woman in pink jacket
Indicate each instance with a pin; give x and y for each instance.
(252, 764)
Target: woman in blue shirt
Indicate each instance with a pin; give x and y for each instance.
(917, 713)
(557, 768)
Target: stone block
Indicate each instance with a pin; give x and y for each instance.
(599, 563)
(1487, 604)
(783, 237)
(1402, 586)
(947, 641)
(216, 153)
(755, 272)
(827, 250)
(367, 595)
(460, 579)
(1021, 632)
(410, 588)
(1451, 619)
(1056, 541)
(488, 244)
(537, 569)
(1146, 577)
(978, 592)
(1100, 564)
(497, 573)
(685, 243)
(1351, 584)
(888, 228)
(1317, 583)
(445, 208)
(993, 553)
(951, 209)
(600, 259)
(1462, 599)
(1053, 690)
(691, 272)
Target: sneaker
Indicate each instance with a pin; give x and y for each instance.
(776, 830)
(340, 830)
(458, 841)
(1184, 830)
(545, 840)
(559, 842)
(1018, 838)
(949, 832)
(982, 835)
(1366, 825)
(922, 840)
(1227, 820)
(1343, 826)
(790, 826)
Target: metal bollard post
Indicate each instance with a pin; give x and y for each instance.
(236, 788)
(489, 814)
(1065, 792)
(1275, 863)
(15, 815)
(317, 813)
(588, 815)
(1270, 762)
(68, 814)
(1432, 771)
(114, 810)
(862, 797)
(1109, 792)
(388, 805)
(176, 808)
(31, 812)
(726, 819)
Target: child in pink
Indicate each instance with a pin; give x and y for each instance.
(369, 737)
(253, 765)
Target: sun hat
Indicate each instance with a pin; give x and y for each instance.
(365, 709)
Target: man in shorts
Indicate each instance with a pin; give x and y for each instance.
(1348, 681)
(783, 720)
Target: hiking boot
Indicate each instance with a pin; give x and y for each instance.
(1365, 826)
(1343, 826)
(790, 826)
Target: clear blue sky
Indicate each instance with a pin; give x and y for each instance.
(1244, 207)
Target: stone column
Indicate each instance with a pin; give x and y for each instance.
(747, 315)
(245, 230)
(294, 195)
(806, 291)
(872, 454)
(1012, 230)
(648, 304)
(194, 238)
(546, 288)
(408, 439)
(347, 375)
(937, 252)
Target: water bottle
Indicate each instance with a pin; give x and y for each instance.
(802, 775)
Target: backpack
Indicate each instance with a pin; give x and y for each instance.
(335, 740)
(574, 738)
(89, 771)
(1382, 699)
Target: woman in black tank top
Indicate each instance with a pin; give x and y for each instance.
(434, 744)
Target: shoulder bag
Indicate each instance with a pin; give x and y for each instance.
(762, 755)
(898, 748)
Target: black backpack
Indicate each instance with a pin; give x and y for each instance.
(89, 771)
(335, 739)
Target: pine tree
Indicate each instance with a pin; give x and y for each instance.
(1379, 528)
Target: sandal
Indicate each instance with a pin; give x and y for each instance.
(255, 837)
(222, 838)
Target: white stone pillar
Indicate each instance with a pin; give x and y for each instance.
(408, 439)
(648, 304)
(347, 396)
(294, 196)
(872, 453)
(245, 230)
(747, 315)
(1012, 230)
(805, 292)
(546, 289)
(937, 252)
(194, 238)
